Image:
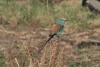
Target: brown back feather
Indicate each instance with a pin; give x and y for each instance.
(56, 28)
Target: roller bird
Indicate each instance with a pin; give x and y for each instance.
(57, 30)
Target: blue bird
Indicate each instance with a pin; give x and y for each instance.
(57, 30)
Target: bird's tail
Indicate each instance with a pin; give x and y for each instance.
(49, 39)
(50, 35)
(46, 42)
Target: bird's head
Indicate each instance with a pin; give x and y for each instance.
(63, 19)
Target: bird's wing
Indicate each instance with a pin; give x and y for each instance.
(57, 28)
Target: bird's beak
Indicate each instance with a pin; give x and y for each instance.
(66, 20)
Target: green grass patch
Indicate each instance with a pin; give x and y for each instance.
(2, 60)
(14, 13)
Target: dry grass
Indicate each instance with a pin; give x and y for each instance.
(59, 56)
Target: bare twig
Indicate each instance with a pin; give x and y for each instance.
(49, 18)
(17, 62)
(49, 26)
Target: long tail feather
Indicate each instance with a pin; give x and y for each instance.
(49, 39)
(46, 42)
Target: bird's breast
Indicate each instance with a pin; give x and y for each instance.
(59, 32)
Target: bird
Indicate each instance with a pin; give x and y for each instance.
(57, 30)
(92, 4)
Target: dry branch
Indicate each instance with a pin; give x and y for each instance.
(17, 62)
(84, 40)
